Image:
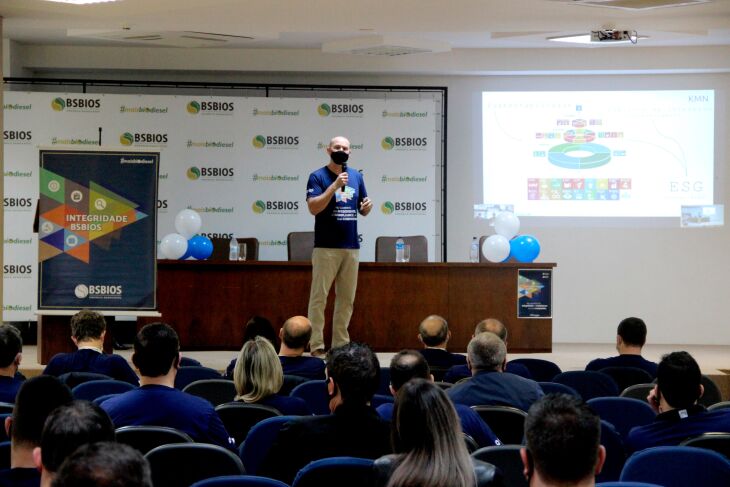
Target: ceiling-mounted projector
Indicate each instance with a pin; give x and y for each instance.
(613, 35)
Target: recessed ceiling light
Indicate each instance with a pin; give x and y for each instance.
(600, 37)
(81, 2)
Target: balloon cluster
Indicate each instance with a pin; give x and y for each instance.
(186, 242)
(507, 245)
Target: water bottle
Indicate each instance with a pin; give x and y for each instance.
(233, 249)
(399, 250)
(474, 250)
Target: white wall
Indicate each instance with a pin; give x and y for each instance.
(675, 279)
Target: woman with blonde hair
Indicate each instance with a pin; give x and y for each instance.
(428, 444)
(258, 377)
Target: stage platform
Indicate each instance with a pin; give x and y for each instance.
(714, 360)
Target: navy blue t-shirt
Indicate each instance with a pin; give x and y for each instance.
(335, 227)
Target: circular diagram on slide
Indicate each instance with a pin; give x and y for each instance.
(579, 156)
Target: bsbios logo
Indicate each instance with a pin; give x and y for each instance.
(128, 138)
(275, 207)
(275, 141)
(341, 109)
(210, 173)
(17, 136)
(209, 107)
(404, 207)
(76, 104)
(404, 143)
(82, 291)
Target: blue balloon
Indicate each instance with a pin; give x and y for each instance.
(200, 247)
(524, 248)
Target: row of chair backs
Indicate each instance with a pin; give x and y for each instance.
(709, 398)
(301, 244)
(238, 417)
(181, 464)
(506, 422)
(90, 390)
(540, 370)
(623, 413)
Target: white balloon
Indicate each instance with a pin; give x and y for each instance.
(188, 223)
(506, 224)
(173, 246)
(495, 248)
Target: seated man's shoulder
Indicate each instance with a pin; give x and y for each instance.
(598, 364)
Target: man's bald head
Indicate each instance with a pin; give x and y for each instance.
(492, 325)
(434, 331)
(338, 143)
(296, 332)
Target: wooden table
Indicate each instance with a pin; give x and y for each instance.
(208, 303)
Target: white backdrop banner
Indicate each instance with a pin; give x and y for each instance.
(242, 163)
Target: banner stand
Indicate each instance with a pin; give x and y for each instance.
(54, 330)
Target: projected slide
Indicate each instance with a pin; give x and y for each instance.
(598, 153)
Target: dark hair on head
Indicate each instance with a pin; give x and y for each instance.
(295, 338)
(441, 334)
(260, 326)
(356, 371)
(87, 324)
(11, 344)
(678, 378)
(70, 426)
(427, 433)
(563, 435)
(104, 464)
(36, 399)
(632, 331)
(405, 365)
(156, 349)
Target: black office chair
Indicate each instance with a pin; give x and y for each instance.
(506, 422)
(507, 459)
(638, 391)
(72, 379)
(719, 442)
(299, 246)
(188, 375)
(181, 464)
(216, 391)
(290, 382)
(627, 376)
(239, 417)
(145, 438)
(541, 370)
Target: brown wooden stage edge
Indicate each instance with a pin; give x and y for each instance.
(208, 303)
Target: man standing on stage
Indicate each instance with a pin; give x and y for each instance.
(335, 194)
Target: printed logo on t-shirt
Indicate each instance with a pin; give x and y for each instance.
(345, 195)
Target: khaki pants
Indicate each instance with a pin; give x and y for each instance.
(339, 265)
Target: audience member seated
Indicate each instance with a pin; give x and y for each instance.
(434, 333)
(674, 398)
(256, 326)
(36, 399)
(354, 428)
(104, 464)
(408, 364)
(258, 379)
(156, 402)
(489, 385)
(67, 428)
(458, 372)
(429, 449)
(11, 353)
(88, 329)
(294, 336)
(630, 339)
(563, 443)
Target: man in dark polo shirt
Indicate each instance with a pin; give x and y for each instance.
(630, 339)
(295, 335)
(674, 398)
(335, 195)
(434, 333)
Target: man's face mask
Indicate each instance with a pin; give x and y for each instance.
(339, 157)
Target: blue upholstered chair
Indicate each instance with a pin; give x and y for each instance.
(623, 412)
(88, 391)
(350, 471)
(589, 384)
(627, 376)
(187, 375)
(555, 388)
(506, 422)
(239, 417)
(541, 370)
(719, 442)
(258, 442)
(314, 393)
(216, 391)
(615, 453)
(677, 466)
(507, 459)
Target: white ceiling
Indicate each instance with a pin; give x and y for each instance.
(307, 24)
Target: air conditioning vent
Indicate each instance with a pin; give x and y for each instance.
(635, 4)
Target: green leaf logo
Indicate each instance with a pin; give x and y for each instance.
(258, 207)
(387, 143)
(387, 208)
(193, 173)
(324, 109)
(126, 139)
(58, 104)
(259, 141)
(193, 107)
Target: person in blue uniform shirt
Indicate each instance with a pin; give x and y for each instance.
(335, 195)
(11, 353)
